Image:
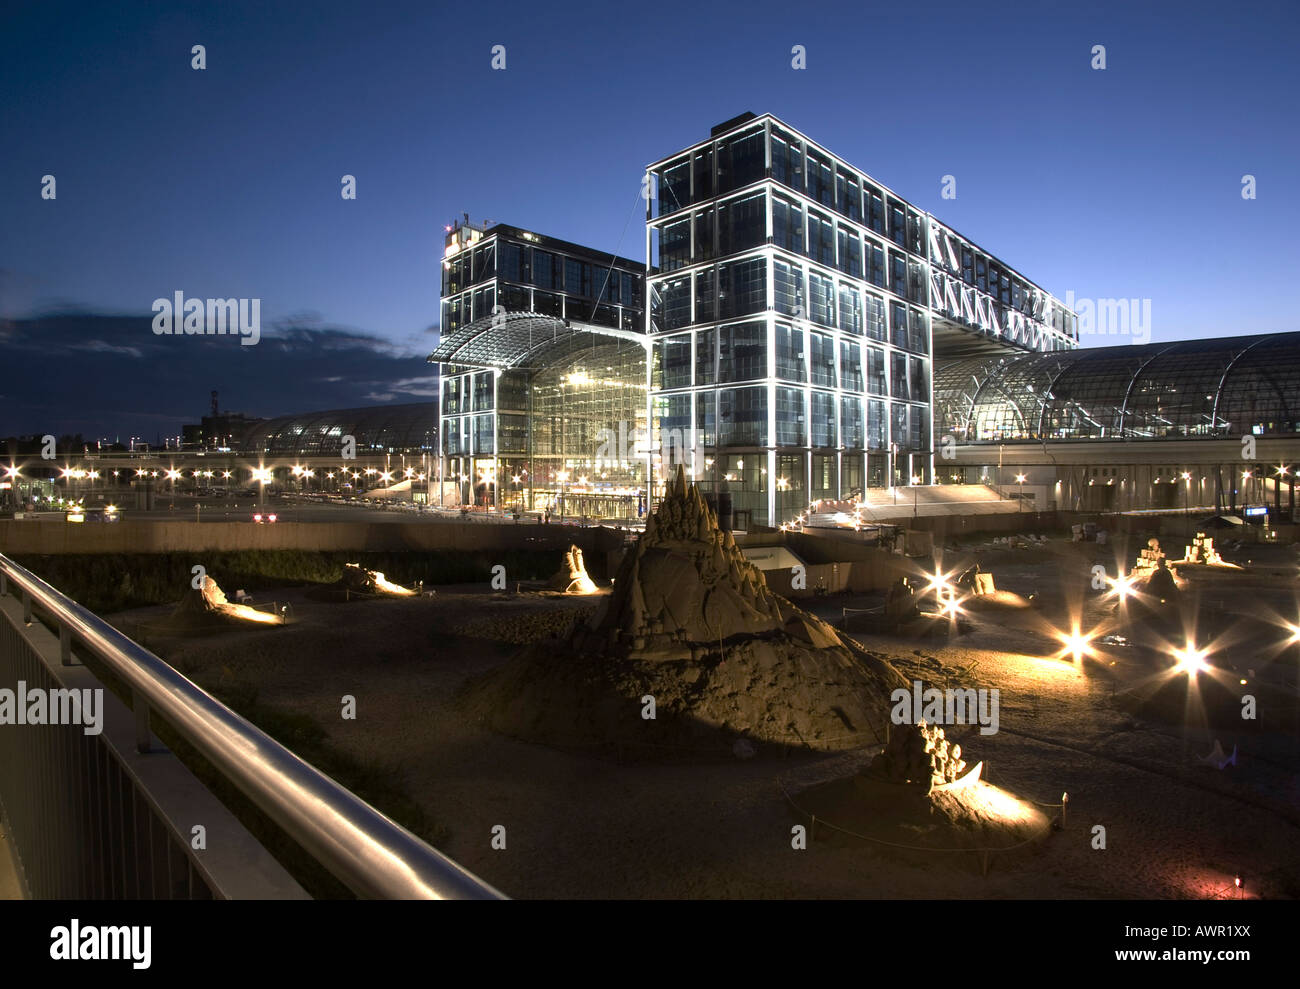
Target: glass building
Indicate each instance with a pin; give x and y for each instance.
(543, 365)
(795, 307)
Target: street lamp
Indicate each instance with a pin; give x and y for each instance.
(916, 493)
(1020, 497)
(1245, 490)
(1187, 493)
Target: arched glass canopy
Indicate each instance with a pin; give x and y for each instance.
(1223, 387)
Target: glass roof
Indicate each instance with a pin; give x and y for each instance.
(520, 340)
(1219, 387)
(377, 429)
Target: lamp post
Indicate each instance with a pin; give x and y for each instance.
(1187, 494)
(1245, 491)
(916, 493)
(1020, 497)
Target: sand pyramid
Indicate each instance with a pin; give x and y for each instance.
(692, 624)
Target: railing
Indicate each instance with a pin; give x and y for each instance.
(85, 821)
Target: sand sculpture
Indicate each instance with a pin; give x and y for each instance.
(1201, 552)
(919, 754)
(572, 576)
(358, 579)
(1148, 561)
(690, 652)
(207, 606)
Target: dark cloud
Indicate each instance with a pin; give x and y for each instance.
(111, 376)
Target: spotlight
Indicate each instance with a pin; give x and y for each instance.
(1077, 644)
(1191, 660)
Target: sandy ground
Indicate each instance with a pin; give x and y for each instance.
(581, 826)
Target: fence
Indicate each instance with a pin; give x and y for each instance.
(112, 815)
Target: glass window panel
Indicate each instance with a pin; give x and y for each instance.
(898, 375)
(822, 359)
(851, 367)
(705, 296)
(790, 363)
(821, 300)
(852, 432)
(876, 381)
(850, 309)
(674, 303)
(791, 427)
(877, 425)
(672, 362)
(788, 225)
(743, 352)
(742, 287)
(742, 416)
(787, 160)
(675, 244)
(705, 357)
(674, 186)
(873, 307)
(742, 224)
(740, 160)
(787, 288)
(822, 421)
(704, 234)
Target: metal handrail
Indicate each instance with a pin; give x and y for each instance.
(367, 851)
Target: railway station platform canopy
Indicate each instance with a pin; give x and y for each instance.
(525, 341)
(1229, 386)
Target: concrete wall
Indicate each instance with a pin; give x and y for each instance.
(27, 536)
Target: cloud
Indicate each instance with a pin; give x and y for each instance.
(130, 381)
(100, 347)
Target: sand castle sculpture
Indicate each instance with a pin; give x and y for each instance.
(692, 624)
(919, 755)
(1148, 561)
(1201, 552)
(572, 576)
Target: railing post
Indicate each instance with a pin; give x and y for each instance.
(141, 709)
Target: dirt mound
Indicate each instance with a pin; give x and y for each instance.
(689, 653)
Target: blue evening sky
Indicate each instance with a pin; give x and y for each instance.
(225, 182)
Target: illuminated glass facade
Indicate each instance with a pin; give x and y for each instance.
(794, 306)
(543, 364)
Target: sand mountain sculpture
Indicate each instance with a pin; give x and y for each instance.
(692, 626)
